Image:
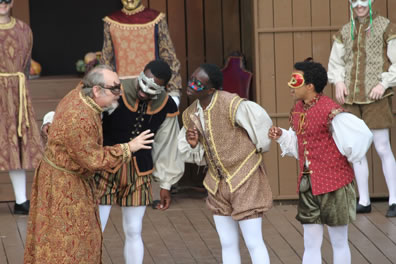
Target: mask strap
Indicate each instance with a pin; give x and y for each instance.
(371, 15)
(352, 23)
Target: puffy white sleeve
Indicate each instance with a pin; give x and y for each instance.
(168, 166)
(389, 77)
(255, 120)
(336, 67)
(351, 135)
(288, 143)
(189, 154)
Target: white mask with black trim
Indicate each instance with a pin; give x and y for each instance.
(149, 86)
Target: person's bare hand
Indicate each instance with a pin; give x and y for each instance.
(341, 92)
(377, 92)
(192, 137)
(165, 200)
(274, 133)
(141, 141)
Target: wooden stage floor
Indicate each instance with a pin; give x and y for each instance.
(186, 234)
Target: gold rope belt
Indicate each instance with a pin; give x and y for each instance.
(22, 98)
(57, 167)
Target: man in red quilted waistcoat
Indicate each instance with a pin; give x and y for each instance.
(324, 139)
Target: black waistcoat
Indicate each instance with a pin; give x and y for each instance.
(130, 119)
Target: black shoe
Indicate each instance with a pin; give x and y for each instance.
(391, 211)
(155, 204)
(22, 209)
(361, 209)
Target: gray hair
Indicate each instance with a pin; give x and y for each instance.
(94, 77)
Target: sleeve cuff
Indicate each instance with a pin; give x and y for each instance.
(165, 185)
(385, 84)
(126, 153)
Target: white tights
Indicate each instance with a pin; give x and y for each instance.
(18, 181)
(132, 221)
(227, 228)
(382, 146)
(313, 237)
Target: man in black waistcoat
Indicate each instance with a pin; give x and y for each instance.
(144, 104)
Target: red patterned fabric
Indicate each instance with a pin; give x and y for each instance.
(235, 78)
(146, 16)
(329, 169)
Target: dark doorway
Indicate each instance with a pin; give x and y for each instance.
(64, 31)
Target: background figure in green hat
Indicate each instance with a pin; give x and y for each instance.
(362, 67)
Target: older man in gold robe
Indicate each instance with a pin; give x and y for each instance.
(64, 225)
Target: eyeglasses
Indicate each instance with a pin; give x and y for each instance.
(196, 85)
(5, 1)
(116, 89)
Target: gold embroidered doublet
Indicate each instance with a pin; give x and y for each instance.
(229, 152)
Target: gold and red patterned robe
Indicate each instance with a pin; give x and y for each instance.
(64, 225)
(20, 145)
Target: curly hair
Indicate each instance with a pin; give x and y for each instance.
(214, 73)
(160, 69)
(314, 73)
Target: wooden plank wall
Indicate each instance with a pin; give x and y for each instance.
(285, 32)
(206, 31)
(201, 30)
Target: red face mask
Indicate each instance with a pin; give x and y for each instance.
(296, 81)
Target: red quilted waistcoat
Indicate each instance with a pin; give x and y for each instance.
(329, 169)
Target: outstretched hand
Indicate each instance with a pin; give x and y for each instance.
(274, 133)
(192, 136)
(165, 200)
(141, 141)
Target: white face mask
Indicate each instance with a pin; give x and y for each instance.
(149, 86)
(355, 3)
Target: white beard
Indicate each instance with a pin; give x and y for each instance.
(110, 109)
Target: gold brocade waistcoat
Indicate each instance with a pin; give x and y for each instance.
(134, 45)
(229, 152)
(365, 58)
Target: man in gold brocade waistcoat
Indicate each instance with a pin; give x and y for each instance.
(229, 135)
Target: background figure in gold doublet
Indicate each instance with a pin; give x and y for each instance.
(362, 66)
(20, 146)
(136, 35)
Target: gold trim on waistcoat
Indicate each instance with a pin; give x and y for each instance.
(139, 173)
(152, 23)
(247, 176)
(209, 128)
(233, 114)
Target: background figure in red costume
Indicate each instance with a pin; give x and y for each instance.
(20, 146)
